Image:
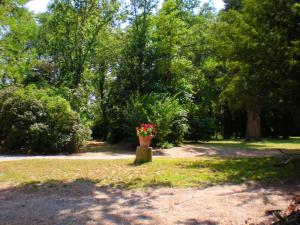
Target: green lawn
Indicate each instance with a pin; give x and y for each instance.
(161, 172)
(291, 144)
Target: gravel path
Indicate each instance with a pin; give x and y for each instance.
(100, 150)
(198, 150)
(83, 203)
(74, 156)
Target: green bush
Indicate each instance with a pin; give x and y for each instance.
(39, 121)
(202, 126)
(163, 110)
(5, 93)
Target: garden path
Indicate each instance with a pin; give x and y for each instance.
(102, 150)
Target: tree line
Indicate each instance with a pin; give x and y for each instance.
(196, 72)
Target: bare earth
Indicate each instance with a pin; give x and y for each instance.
(102, 150)
(84, 203)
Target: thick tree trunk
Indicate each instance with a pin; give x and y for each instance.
(253, 131)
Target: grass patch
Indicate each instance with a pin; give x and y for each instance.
(161, 172)
(292, 143)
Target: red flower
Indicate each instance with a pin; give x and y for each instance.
(146, 129)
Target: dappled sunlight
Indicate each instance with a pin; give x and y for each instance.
(105, 148)
(243, 169)
(57, 202)
(189, 172)
(292, 143)
(110, 111)
(82, 201)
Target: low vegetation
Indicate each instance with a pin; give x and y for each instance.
(292, 143)
(33, 120)
(161, 172)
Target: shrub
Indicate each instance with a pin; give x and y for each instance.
(7, 93)
(4, 95)
(163, 110)
(40, 122)
(202, 126)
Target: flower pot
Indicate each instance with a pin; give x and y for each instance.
(145, 141)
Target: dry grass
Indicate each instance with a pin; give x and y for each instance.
(161, 172)
(292, 143)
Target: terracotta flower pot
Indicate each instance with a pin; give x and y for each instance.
(145, 141)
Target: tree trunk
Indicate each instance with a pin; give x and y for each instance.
(253, 131)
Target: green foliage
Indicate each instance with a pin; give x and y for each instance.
(233, 4)
(81, 101)
(162, 110)
(18, 31)
(202, 126)
(255, 45)
(40, 122)
(69, 34)
(174, 69)
(7, 93)
(217, 65)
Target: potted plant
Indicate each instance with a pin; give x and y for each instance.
(146, 132)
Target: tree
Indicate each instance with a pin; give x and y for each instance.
(233, 4)
(254, 45)
(70, 33)
(18, 31)
(103, 63)
(135, 59)
(173, 69)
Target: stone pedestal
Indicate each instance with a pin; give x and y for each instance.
(143, 154)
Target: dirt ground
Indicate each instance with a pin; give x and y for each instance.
(102, 150)
(82, 202)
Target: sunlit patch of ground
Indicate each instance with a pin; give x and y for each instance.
(292, 143)
(177, 172)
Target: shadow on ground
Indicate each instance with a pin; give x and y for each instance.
(215, 151)
(77, 202)
(247, 169)
(292, 144)
(105, 147)
(197, 222)
(82, 202)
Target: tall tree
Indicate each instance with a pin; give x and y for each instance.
(135, 60)
(70, 32)
(255, 47)
(172, 66)
(233, 4)
(18, 31)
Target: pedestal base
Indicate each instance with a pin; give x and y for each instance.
(143, 154)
